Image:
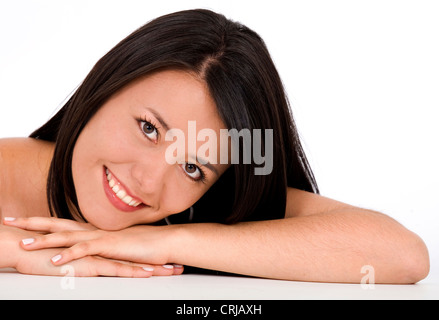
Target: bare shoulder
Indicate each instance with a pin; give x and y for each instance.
(18, 151)
(24, 164)
(9, 146)
(22, 153)
(303, 203)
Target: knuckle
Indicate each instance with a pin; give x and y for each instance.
(67, 235)
(41, 240)
(52, 225)
(79, 250)
(119, 269)
(83, 247)
(124, 270)
(55, 238)
(23, 221)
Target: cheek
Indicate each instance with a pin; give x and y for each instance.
(87, 162)
(104, 141)
(179, 195)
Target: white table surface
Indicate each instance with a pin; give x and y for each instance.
(200, 287)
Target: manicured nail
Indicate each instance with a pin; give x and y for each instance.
(28, 241)
(149, 269)
(9, 219)
(168, 266)
(56, 258)
(178, 266)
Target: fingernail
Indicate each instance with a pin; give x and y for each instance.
(8, 219)
(56, 258)
(168, 266)
(149, 269)
(178, 266)
(28, 241)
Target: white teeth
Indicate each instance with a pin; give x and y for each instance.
(120, 193)
(127, 199)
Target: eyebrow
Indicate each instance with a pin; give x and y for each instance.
(159, 118)
(165, 125)
(207, 164)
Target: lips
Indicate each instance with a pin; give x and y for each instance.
(118, 194)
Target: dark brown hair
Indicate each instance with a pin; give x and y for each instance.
(243, 81)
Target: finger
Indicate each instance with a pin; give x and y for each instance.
(46, 224)
(58, 239)
(98, 266)
(178, 269)
(164, 270)
(103, 267)
(77, 251)
(93, 248)
(156, 270)
(159, 270)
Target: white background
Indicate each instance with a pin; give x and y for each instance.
(362, 78)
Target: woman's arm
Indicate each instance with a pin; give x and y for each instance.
(38, 262)
(332, 244)
(319, 240)
(331, 247)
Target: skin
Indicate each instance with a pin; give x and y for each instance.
(320, 239)
(114, 139)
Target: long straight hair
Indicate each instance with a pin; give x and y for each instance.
(245, 85)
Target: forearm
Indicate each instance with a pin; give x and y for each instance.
(331, 247)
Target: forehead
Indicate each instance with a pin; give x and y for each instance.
(177, 96)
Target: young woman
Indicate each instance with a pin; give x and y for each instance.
(93, 187)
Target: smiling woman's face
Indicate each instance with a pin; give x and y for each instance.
(119, 167)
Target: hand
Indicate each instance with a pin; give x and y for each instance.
(38, 262)
(136, 246)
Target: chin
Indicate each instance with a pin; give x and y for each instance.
(104, 219)
(110, 226)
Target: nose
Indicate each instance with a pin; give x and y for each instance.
(150, 177)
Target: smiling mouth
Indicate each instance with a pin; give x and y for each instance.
(118, 195)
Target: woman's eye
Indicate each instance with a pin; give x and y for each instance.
(149, 130)
(192, 171)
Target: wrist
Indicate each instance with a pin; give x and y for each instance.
(9, 246)
(176, 238)
(191, 244)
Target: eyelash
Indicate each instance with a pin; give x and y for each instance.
(202, 177)
(142, 121)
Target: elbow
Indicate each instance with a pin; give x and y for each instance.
(406, 259)
(420, 265)
(415, 264)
